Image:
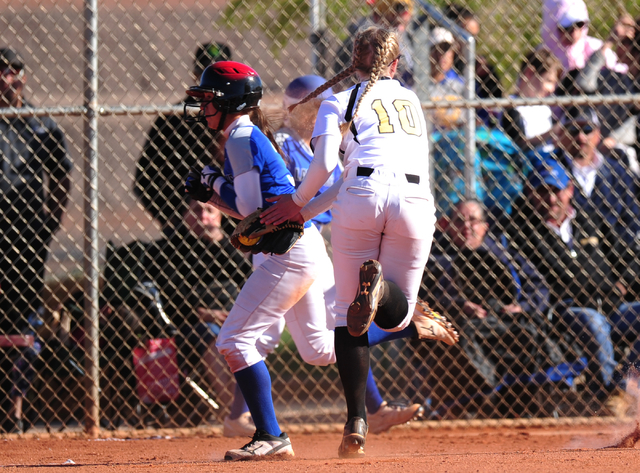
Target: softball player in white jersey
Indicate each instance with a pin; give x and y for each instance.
(384, 215)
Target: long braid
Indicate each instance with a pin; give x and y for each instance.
(385, 47)
(380, 61)
(348, 72)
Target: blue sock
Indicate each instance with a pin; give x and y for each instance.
(373, 400)
(255, 384)
(238, 406)
(377, 335)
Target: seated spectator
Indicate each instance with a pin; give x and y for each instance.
(395, 14)
(565, 242)
(496, 298)
(531, 126)
(605, 183)
(197, 273)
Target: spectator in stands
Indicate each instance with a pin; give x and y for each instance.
(172, 147)
(590, 65)
(34, 191)
(498, 299)
(197, 272)
(487, 80)
(442, 86)
(532, 126)
(567, 243)
(395, 14)
(564, 30)
(605, 183)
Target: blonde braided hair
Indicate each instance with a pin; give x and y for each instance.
(382, 42)
(374, 48)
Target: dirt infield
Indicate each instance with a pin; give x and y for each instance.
(408, 449)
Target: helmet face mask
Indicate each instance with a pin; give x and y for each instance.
(229, 86)
(200, 105)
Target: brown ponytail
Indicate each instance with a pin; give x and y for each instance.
(259, 119)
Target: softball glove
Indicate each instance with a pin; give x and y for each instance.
(251, 236)
(433, 326)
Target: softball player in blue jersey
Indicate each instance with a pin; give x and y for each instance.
(384, 215)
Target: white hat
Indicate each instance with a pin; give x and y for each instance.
(440, 35)
(576, 12)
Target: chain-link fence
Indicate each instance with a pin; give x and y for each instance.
(538, 273)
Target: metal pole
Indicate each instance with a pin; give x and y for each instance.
(91, 271)
(318, 46)
(469, 50)
(314, 12)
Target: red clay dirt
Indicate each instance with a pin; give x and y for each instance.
(407, 449)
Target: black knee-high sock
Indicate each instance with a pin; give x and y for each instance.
(352, 357)
(393, 307)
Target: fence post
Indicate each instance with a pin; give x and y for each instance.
(91, 270)
(469, 50)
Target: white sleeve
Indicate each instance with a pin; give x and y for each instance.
(323, 202)
(325, 159)
(248, 191)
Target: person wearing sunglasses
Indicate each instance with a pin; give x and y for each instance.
(586, 263)
(605, 186)
(564, 30)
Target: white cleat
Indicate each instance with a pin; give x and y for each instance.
(262, 445)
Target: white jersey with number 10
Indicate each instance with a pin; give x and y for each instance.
(390, 129)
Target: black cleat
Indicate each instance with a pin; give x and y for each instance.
(363, 309)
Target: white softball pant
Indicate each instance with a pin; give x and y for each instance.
(282, 288)
(386, 218)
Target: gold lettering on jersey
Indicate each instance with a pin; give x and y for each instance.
(383, 117)
(407, 117)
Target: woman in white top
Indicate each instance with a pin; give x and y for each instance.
(384, 214)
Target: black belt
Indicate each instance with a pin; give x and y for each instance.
(366, 172)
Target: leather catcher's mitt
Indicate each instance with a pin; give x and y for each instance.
(252, 236)
(433, 326)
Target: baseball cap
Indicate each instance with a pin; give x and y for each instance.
(551, 173)
(300, 87)
(388, 8)
(581, 115)
(577, 13)
(10, 58)
(440, 35)
(208, 53)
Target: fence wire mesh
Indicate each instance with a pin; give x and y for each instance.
(547, 310)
